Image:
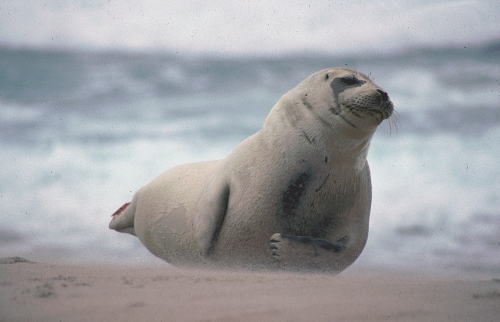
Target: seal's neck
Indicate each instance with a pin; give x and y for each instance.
(290, 120)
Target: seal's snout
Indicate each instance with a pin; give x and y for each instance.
(384, 104)
(383, 95)
(374, 101)
(387, 107)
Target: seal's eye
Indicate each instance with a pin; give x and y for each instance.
(349, 80)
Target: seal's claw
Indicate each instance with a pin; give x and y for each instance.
(276, 238)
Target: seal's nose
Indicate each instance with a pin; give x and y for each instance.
(383, 95)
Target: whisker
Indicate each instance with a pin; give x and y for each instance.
(394, 121)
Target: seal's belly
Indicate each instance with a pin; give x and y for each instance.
(304, 204)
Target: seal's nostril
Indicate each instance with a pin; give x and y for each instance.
(384, 95)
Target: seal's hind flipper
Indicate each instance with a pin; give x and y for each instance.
(123, 219)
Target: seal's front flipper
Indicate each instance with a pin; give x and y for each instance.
(300, 252)
(123, 219)
(210, 214)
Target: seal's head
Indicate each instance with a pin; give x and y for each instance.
(359, 98)
(345, 98)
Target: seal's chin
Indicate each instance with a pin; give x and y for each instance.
(382, 112)
(380, 115)
(386, 109)
(375, 114)
(361, 116)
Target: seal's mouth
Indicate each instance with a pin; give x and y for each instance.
(384, 110)
(378, 113)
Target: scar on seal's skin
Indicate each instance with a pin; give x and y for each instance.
(338, 111)
(324, 180)
(348, 122)
(307, 104)
(120, 210)
(292, 195)
(304, 134)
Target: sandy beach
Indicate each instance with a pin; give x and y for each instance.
(56, 292)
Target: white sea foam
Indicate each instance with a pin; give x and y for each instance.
(71, 155)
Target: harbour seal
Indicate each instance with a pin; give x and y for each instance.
(296, 195)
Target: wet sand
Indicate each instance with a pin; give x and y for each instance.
(56, 292)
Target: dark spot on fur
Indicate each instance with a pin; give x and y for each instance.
(326, 159)
(320, 229)
(335, 110)
(340, 84)
(349, 80)
(306, 103)
(344, 240)
(294, 192)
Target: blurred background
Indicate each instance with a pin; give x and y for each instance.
(97, 98)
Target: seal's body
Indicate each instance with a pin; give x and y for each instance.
(295, 195)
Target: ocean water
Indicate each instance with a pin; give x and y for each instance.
(80, 132)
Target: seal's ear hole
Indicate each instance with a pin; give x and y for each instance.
(327, 76)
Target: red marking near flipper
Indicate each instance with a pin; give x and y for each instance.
(120, 210)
